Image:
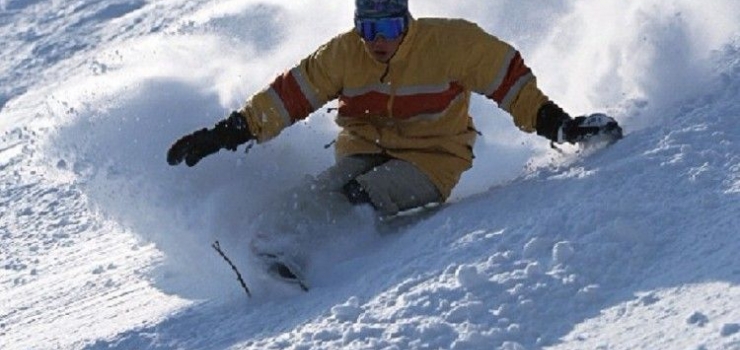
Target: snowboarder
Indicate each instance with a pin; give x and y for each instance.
(404, 88)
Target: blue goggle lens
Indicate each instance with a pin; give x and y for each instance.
(390, 28)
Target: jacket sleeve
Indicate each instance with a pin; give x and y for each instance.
(296, 93)
(496, 70)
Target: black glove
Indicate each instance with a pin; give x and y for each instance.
(558, 126)
(228, 133)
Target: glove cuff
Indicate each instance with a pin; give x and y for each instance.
(233, 131)
(551, 120)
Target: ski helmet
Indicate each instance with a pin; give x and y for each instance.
(380, 8)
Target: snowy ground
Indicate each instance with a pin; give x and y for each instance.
(102, 245)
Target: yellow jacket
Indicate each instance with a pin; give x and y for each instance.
(414, 108)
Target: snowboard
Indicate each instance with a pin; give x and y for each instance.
(280, 268)
(275, 266)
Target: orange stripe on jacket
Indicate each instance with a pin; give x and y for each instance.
(409, 106)
(517, 69)
(404, 106)
(372, 103)
(290, 93)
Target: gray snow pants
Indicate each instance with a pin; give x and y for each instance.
(393, 185)
(317, 212)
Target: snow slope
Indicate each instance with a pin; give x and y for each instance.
(102, 245)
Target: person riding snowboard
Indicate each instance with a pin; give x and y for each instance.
(404, 86)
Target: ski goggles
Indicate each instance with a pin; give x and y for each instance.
(390, 28)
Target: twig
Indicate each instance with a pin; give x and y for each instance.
(217, 247)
